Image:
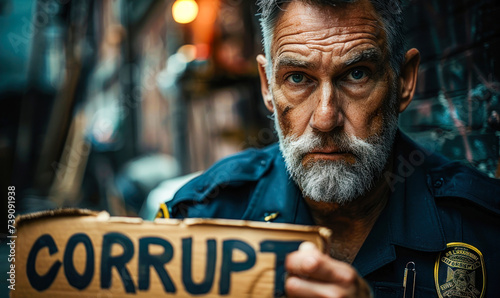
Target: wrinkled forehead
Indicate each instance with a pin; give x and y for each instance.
(305, 22)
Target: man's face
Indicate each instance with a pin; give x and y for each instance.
(333, 98)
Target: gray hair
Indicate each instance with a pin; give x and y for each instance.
(390, 11)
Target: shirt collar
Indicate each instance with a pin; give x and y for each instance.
(278, 194)
(410, 218)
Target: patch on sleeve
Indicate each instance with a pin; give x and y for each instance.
(163, 211)
(460, 272)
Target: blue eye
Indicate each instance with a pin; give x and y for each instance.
(357, 74)
(296, 78)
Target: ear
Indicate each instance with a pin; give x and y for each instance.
(408, 78)
(264, 83)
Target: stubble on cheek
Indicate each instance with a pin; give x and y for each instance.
(283, 112)
(377, 119)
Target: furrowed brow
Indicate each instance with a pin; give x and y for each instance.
(289, 62)
(371, 55)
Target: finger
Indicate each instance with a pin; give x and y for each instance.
(297, 287)
(308, 246)
(308, 262)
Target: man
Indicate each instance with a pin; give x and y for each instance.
(335, 75)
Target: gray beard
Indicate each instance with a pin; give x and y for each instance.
(338, 181)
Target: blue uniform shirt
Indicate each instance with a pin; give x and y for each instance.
(442, 216)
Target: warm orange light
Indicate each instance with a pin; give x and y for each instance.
(188, 52)
(184, 11)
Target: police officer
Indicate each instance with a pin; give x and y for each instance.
(405, 221)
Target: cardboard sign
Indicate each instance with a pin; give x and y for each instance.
(86, 254)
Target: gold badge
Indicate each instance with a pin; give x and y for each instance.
(163, 211)
(460, 272)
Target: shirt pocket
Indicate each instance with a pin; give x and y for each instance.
(395, 290)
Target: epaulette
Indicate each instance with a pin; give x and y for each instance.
(455, 179)
(249, 165)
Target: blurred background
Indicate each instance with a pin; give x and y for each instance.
(108, 105)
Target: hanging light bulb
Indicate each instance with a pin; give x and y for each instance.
(184, 11)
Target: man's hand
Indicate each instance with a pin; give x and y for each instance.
(314, 274)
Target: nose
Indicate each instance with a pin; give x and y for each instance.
(327, 113)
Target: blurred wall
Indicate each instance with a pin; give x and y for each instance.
(456, 106)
